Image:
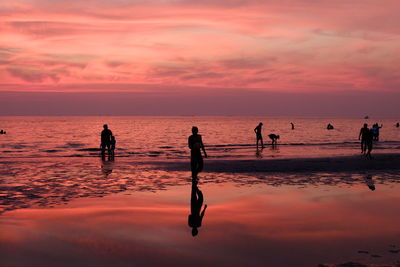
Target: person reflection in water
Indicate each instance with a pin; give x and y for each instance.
(196, 202)
(105, 139)
(107, 165)
(195, 143)
(370, 183)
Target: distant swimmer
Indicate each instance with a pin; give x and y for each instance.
(329, 127)
(397, 125)
(258, 131)
(274, 138)
(196, 215)
(195, 143)
(2, 132)
(105, 139)
(292, 125)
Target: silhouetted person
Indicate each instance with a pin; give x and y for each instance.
(292, 125)
(369, 139)
(273, 138)
(195, 143)
(113, 142)
(329, 127)
(2, 132)
(397, 125)
(370, 182)
(375, 131)
(258, 131)
(364, 133)
(196, 202)
(105, 139)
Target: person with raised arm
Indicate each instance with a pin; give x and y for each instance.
(195, 143)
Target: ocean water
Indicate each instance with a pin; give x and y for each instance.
(166, 137)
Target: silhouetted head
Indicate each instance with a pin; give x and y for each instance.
(365, 125)
(261, 124)
(195, 231)
(112, 137)
(195, 130)
(105, 126)
(277, 137)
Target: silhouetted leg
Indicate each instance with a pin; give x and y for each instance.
(103, 149)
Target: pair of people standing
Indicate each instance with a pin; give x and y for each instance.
(107, 141)
(366, 136)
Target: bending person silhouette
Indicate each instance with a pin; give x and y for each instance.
(195, 143)
(105, 139)
(196, 215)
(292, 125)
(274, 138)
(258, 131)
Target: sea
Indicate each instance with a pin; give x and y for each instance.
(164, 138)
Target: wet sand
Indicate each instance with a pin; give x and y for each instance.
(249, 225)
(298, 165)
(292, 212)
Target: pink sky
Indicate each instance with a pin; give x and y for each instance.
(161, 45)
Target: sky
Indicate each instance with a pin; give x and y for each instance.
(184, 51)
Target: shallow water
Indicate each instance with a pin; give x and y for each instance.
(79, 212)
(166, 137)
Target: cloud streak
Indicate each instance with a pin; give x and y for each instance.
(290, 46)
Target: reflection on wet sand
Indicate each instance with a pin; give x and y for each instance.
(45, 184)
(247, 226)
(195, 217)
(107, 165)
(370, 182)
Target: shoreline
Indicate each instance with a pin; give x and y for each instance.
(348, 163)
(379, 162)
